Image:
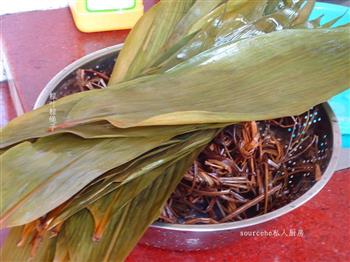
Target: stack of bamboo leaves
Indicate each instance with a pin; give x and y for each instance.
(87, 190)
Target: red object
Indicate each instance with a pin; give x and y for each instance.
(39, 44)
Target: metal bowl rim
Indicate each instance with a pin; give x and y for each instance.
(51, 85)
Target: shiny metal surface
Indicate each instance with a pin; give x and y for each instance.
(199, 237)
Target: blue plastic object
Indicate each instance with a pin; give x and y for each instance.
(340, 103)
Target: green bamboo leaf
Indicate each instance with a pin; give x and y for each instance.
(39, 120)
(135, 178)
(304, 14)
(105, 207)
(249, 12)
(330, 23)
(197, 11)
(187, 81)
(315, 60)
(146, 208)
(315, 23)
(183, 29)
(112, 179)
(117, 241)
(11, 252)
(222, 21)
(187, 28)
(228, 11)
(75, 239)
(277, 5)
(70, 247)
(239, 29)
(104, 129)
(75, 243)
(135, 40)
(58, 167)
(148, 37)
